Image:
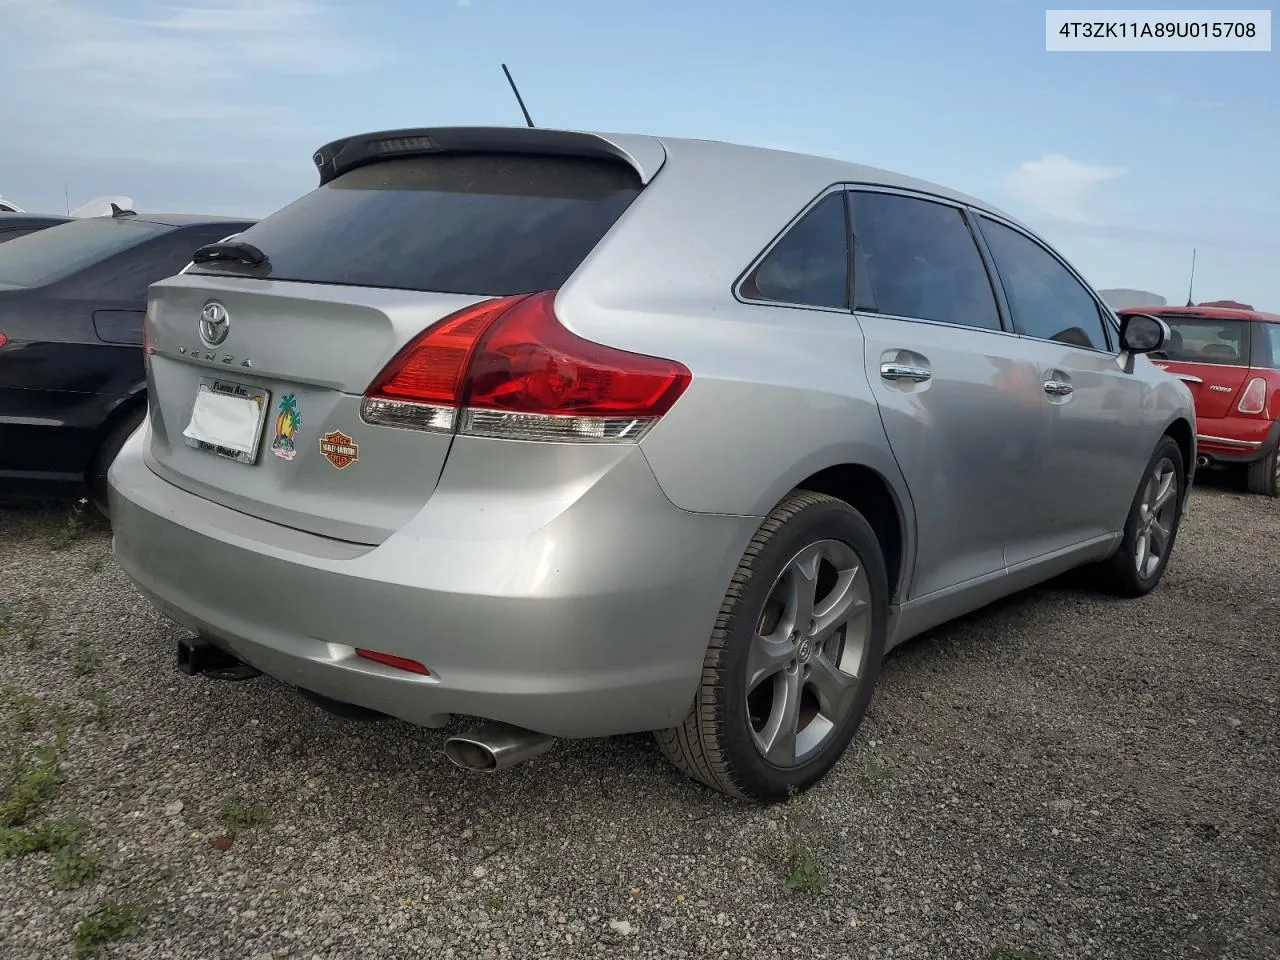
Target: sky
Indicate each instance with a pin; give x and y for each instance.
(1124, 161)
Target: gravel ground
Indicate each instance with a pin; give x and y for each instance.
(1059, 776)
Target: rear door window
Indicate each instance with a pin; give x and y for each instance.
(485, 224)
(1046, 299)
(809, 266)
(1206, 340)
(47, 255)
(918, 259)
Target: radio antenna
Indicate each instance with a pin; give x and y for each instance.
(1192, 285)
(519, 99)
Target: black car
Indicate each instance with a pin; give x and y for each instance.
(14, 225)
(72, 376)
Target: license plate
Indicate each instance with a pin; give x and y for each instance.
(227, 419)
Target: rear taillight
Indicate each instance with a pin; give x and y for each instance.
(3, 339)
(1254, 397)
(506, 368)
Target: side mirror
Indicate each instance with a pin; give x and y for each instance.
(1142, 333)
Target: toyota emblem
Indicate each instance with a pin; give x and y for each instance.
(214, 323)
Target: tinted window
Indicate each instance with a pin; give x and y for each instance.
(127, 276)
(810, 265)
(916, 258)
(1206, 340)
(1046, 300)
(477, 224)
(1266, 345)
(47, 255)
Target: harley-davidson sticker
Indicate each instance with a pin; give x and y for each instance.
(339, 449)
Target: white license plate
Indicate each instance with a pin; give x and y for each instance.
(227, 419)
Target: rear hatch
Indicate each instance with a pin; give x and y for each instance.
(354, 270)
(1211, 355)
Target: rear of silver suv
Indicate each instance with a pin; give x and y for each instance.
(379, 467)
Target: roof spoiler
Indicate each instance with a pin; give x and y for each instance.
(644, 154)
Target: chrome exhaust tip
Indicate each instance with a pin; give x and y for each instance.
(495, 746)
(1202, 461)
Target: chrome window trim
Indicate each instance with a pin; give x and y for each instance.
(876, 315)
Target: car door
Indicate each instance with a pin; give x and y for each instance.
(1092, 465)
(958, 396)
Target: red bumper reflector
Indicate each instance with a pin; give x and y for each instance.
(391, 660)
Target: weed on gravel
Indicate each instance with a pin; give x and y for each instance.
(236, 816)
(73, 868)
(101, 703)
(110, 922)
(81, 520)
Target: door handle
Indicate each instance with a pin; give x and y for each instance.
(904, 371)
(1188, 378)
(1057, 388)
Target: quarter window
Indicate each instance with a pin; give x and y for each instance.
(1046, 299)
(917, 258)
(810, 265)
(1268, 345)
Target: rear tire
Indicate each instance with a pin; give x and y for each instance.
(1264, 476)
(1151, 528)
(96, 478)
(794, 656)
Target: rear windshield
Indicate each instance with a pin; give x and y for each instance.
(51, 254)
(488, 224)
(1206, 340)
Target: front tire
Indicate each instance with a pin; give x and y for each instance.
(794, 656)
(1264, 476)
(1152, 526)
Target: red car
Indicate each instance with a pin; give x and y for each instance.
(1229, 354)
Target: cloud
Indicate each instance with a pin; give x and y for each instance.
(164, 62)
(1059, 186)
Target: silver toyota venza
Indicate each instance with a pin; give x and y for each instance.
(587, 434)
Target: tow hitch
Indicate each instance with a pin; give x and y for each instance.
(199, 656)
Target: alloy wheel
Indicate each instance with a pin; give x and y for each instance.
(1156, 514)
(808, 653)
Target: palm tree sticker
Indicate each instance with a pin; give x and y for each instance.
(287, 422)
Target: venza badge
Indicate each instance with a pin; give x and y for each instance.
(288, 420)
(339, 449)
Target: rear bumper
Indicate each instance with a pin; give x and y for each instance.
(592, 624)
(1236, 439)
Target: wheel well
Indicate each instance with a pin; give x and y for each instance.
(867, 492)
(124, 409)
(1180, 431)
